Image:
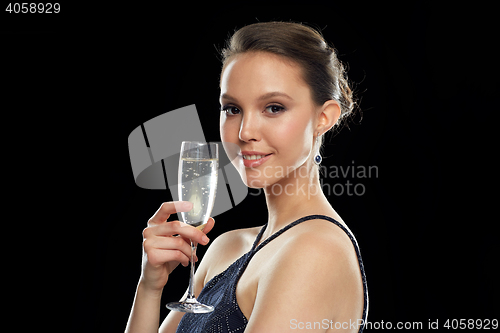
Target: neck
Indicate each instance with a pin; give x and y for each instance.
(294, 196)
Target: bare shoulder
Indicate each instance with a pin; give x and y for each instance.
(235, 239)
(225, 249)
(323, 252)
(315, 263)
(320, 237)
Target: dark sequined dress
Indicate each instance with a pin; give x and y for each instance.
(220, 291)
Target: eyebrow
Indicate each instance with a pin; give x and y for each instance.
(262, 97)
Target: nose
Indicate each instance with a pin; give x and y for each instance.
(250, 127)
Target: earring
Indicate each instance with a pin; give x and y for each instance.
(317, 157)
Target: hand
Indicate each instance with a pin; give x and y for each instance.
(162, 251)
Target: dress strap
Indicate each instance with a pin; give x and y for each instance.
(259, 236)
(293, 224)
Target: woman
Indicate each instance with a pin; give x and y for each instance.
(282, 88)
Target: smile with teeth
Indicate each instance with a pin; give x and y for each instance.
(253, 157)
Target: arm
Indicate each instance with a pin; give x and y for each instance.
(314, 279)
(162, 253)
(145, 314)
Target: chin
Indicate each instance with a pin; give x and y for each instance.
(249, 181)
(255, 183)
(253, 178)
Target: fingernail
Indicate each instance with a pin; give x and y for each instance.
(187, 204)
(205, 239)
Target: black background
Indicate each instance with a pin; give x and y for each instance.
(75, 84)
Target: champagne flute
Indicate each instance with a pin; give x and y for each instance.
(198, 167)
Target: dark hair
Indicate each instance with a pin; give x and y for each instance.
(322, 70)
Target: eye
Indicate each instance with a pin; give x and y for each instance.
(230, 110)
(274, 109)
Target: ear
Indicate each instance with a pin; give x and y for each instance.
(328, 116)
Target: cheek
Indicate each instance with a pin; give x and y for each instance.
(294, 138)
(229, 133)
(222, 122)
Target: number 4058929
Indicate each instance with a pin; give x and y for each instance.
(33, 7)
(462, 324)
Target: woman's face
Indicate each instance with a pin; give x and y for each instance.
(268, 112)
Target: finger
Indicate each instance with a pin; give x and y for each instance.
(169, 244)
(209, 225)
(205, 228)
(188, 241)
(159, 257)
(184, 230)
(167, 208)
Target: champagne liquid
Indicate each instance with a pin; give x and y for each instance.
(198, 184)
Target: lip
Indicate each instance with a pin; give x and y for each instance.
(254, 163)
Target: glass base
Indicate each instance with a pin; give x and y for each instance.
(191, 306)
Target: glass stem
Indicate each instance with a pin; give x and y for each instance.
(190, 295)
